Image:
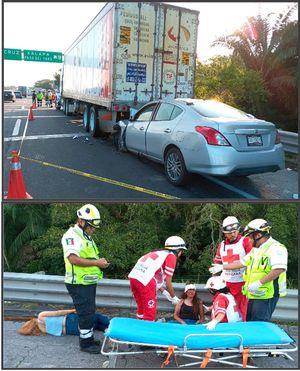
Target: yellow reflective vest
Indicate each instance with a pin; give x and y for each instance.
(258, 266)
(76, 274)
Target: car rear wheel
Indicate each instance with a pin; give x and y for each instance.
(175, 168)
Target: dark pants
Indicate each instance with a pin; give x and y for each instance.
(84, 300)
(261, 309)
(72, 323)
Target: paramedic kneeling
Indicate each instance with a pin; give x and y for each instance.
(224, 307)
(265, 275)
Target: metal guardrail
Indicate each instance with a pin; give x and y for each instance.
(289, 141)
(111, 293)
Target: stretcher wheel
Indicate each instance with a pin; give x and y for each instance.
(105, 364)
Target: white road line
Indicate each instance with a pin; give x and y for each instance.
(16, 127)
(50, 136)
(230, 187)
(16, 117)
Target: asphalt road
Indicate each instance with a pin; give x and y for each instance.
(60, 161)
(28, 352)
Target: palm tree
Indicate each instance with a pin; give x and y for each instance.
(271, 50)
(22, 223)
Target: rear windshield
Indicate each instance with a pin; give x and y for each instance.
(212, 109)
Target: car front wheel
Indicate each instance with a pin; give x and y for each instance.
(175, 168)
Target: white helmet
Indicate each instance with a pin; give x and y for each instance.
(90, 214)
(230, 224)
(175, 243)
(257, 225)
(215, 283)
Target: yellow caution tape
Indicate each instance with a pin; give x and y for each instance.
(104, 180)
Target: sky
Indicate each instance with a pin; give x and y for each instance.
(53, 27)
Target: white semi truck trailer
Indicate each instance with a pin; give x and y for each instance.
(130, 54)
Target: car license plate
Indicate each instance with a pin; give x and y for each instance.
(254, 140)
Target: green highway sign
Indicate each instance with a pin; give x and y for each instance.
(42, 56)
(13, 54)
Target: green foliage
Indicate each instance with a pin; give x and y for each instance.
(44, 84)
(130, 230)
(271, 50)
(227, 80)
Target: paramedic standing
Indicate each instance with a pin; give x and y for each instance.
(83, 271)
(149, 274)
(265, 276)
(233, 248)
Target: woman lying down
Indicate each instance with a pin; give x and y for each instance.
(59, 322)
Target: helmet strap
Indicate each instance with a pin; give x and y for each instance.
(263, 234)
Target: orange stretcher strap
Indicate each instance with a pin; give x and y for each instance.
(170, 352)
(246, 352)
(206, 358)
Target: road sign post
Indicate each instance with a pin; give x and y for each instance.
(13, 54)
(42, 56)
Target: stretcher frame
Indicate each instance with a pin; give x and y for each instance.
(198, 355)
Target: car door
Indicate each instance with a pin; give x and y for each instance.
(136, 129)
(161, 128)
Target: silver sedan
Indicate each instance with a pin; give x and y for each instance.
(203, 137)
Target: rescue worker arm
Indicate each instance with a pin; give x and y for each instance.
(235, 265)
(212, 324)
(272, 275)
(82, 262)
(169, 286)
(177, 313)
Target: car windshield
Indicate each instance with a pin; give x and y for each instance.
(211, 109)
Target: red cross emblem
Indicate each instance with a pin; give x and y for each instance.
(230, 257)
(151, 255)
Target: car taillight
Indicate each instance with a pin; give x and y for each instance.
(212, 136)
(277, 140)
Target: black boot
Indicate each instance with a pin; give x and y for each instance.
(93, 349)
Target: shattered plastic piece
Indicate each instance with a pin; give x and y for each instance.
(288, 169)
(75, 137)
(87, 139)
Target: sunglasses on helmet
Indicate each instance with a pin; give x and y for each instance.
(231, 227)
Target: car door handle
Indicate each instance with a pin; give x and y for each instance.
(167, 131)
(142, 128)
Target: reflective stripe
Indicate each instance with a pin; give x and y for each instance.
(15, 166)
(85, 334)
(90, 278)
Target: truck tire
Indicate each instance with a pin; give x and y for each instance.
(175, 169)
(64, 106)
(94, 122)
(86, 117)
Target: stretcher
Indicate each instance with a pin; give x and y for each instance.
(228, 342)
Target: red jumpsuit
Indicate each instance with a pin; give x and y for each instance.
(146, 276)
(229, 252)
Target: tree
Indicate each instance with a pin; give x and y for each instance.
(57, 77)
(229, 81)
(272, 51)
(22, 223)
(44, 84)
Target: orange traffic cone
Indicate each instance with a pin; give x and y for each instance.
(16, 187)
(34, 105)
(30, 114)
